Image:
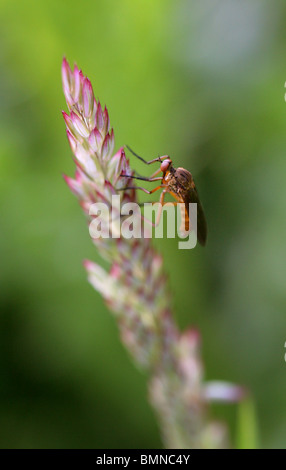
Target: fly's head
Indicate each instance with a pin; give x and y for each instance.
(166, 165)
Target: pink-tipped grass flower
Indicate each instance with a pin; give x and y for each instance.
(136, 287)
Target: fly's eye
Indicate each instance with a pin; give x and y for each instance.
(165, 165)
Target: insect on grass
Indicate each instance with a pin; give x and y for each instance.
(179, 183)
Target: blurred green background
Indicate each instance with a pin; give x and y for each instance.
(203, 82)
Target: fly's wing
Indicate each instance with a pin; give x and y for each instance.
(193, 197)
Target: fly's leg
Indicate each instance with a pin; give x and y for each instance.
(142, 189)
(158, 159)
(142, 178)
(161, 204)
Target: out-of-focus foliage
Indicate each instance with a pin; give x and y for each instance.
(203, 82)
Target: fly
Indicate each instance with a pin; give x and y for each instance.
(180, 184)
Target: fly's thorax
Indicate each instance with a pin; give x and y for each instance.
(184, 178)
(169, 179)
(178, 180)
